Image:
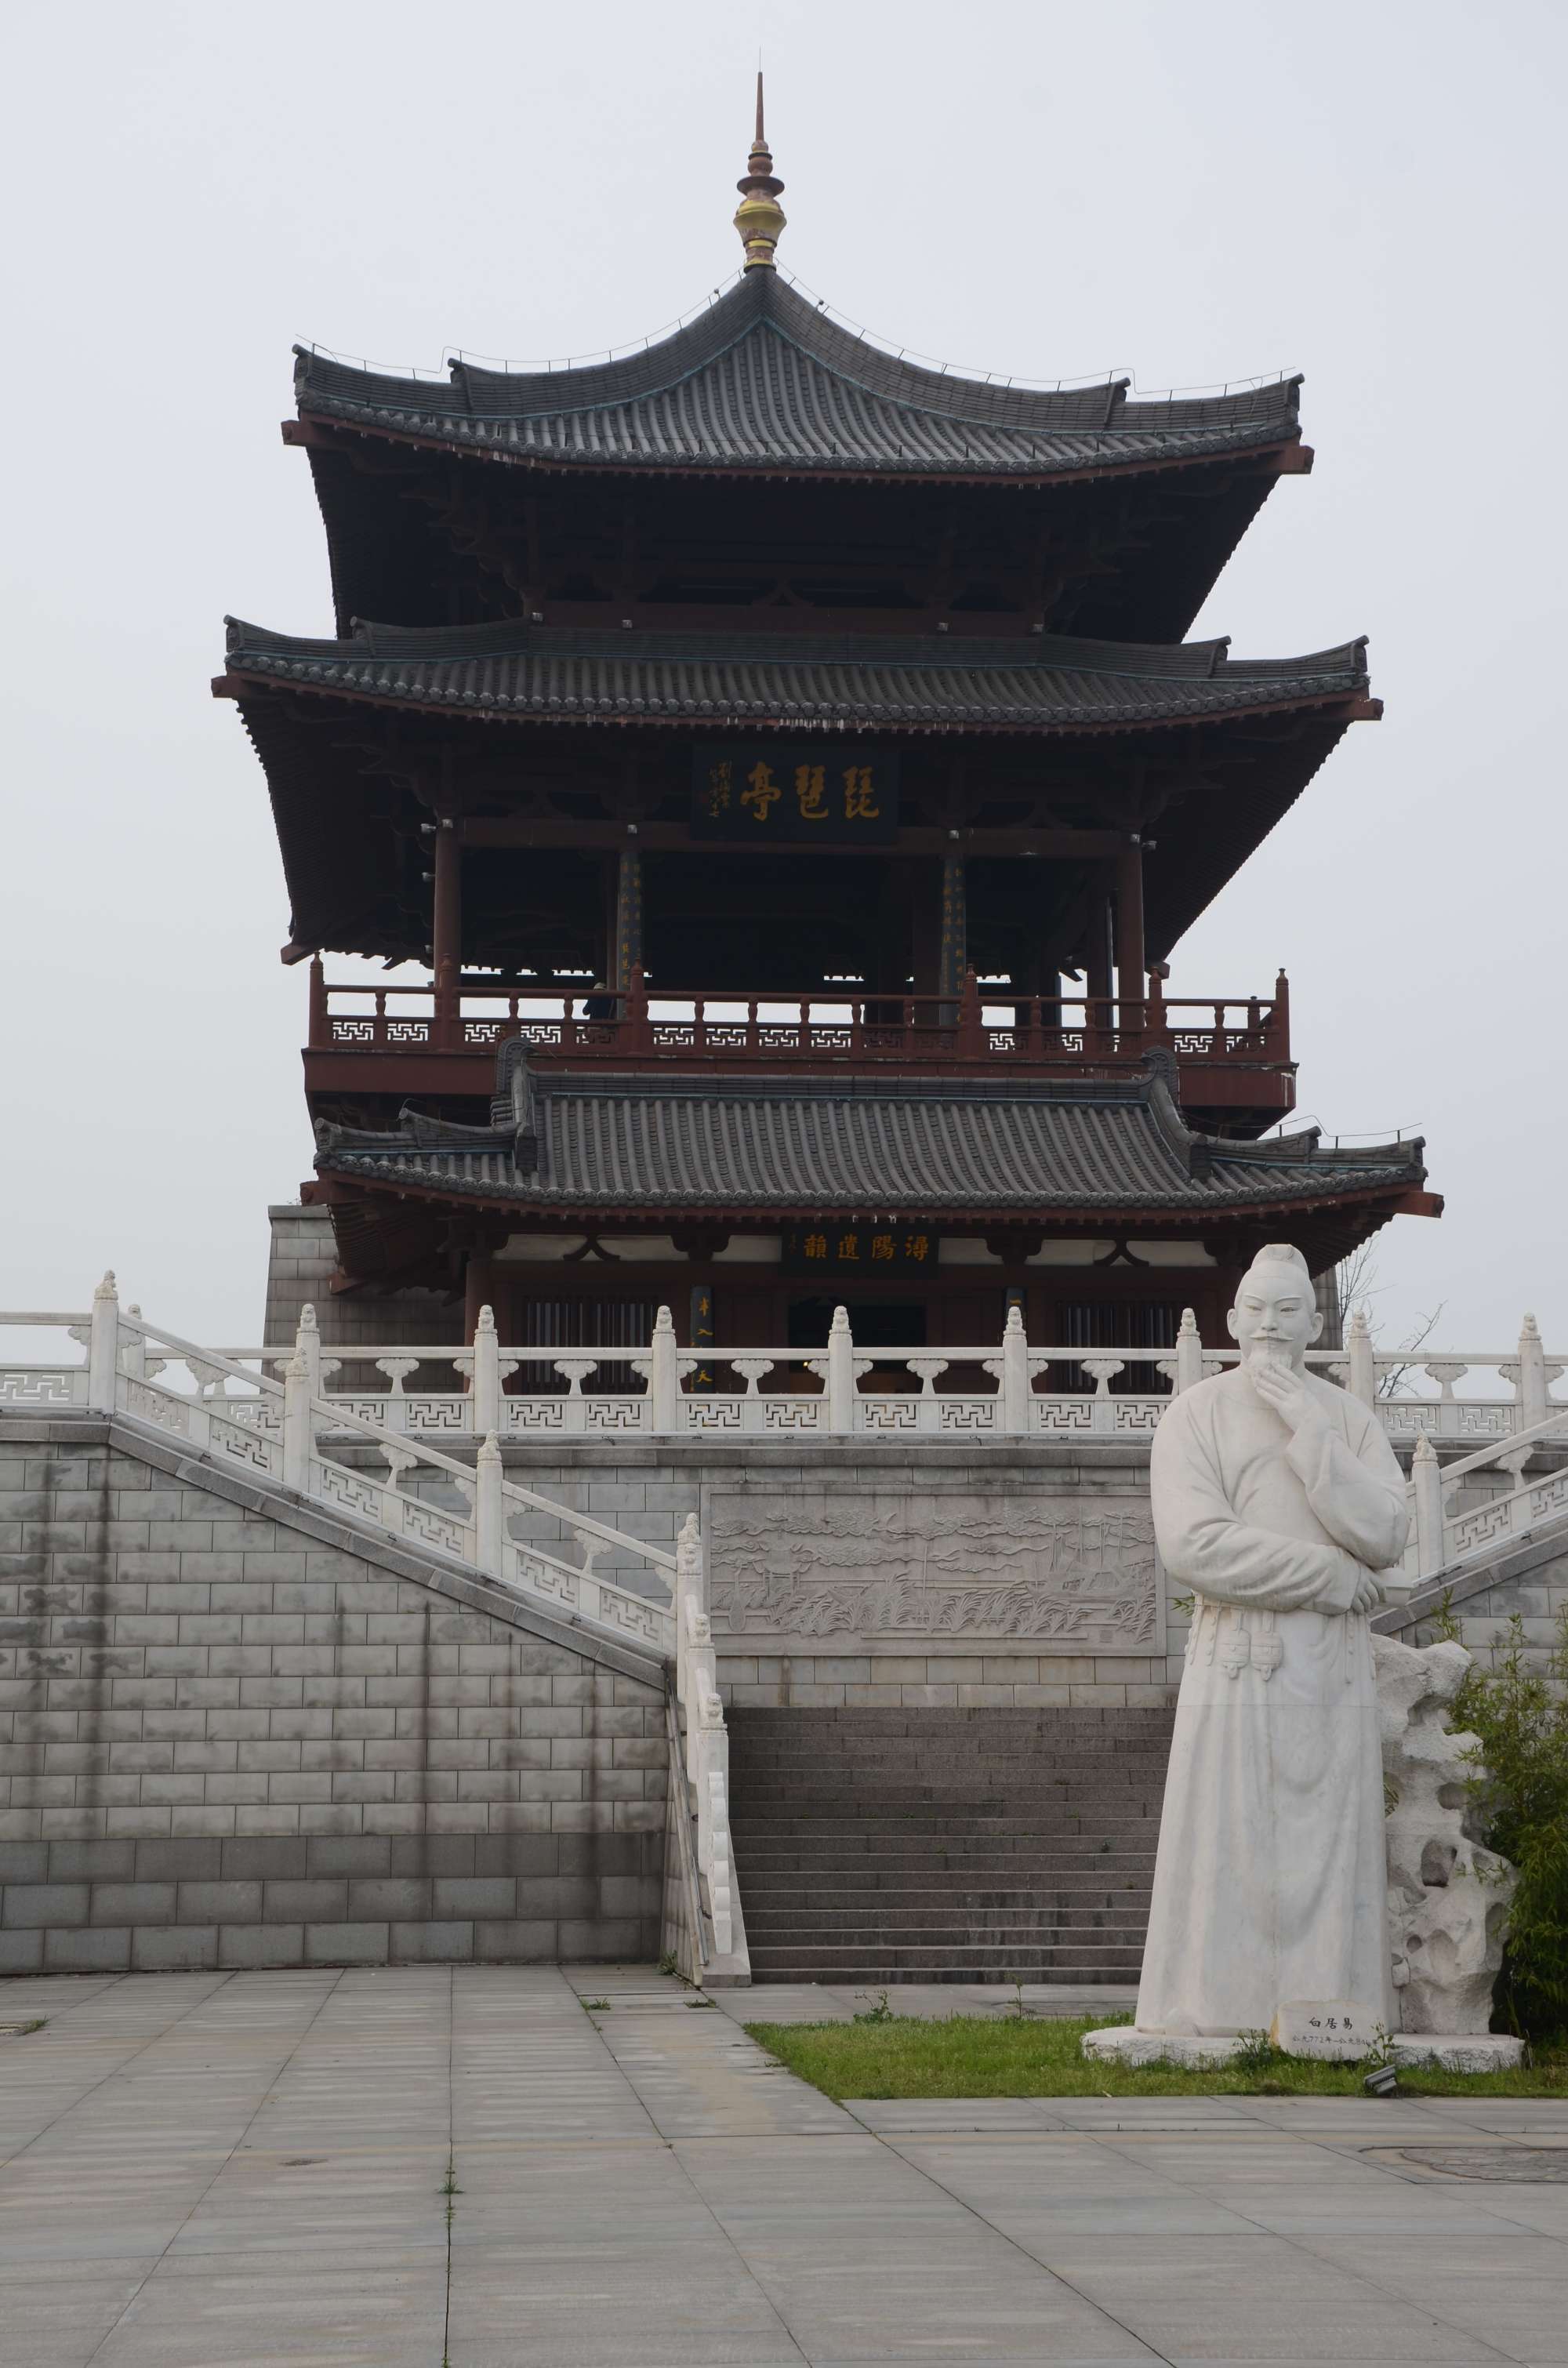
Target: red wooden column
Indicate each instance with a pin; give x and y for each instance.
(1131, 982)
(446, 929)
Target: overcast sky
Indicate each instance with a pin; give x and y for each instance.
(1370, 193)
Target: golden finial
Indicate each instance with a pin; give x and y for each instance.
(759, 217)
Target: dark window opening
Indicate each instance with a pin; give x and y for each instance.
(581, 1324)
(1111, 1325)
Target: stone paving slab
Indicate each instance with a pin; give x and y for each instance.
(250, 2170)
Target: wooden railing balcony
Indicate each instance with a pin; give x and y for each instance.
(1211, 1038)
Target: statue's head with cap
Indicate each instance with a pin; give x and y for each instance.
(1275, 1317)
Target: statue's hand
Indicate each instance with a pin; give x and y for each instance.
(1286, 1391)
(1368, 1595)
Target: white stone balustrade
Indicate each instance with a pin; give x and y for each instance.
(789, 1395)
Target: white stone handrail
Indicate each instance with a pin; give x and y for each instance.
(1439, 1538)
(783, 1396)
(273, 1431)
(706, 1742)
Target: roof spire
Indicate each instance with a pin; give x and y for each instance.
(759, 217)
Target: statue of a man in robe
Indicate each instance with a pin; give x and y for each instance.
(1277, 1500)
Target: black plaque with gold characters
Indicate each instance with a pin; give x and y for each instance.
(872, 1246)
(801, 790)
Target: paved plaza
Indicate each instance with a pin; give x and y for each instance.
(202, 2171)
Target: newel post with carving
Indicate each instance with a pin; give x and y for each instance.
(103, 1347)
(840, 1373)
(1188, 1352)
(1531, 1381)
(1361, 1375)
(307, 1342)
(487, 1410)
(296, 1418)
(664, 1376)
(1015, 1372)
(489, 1506)
(1426, 1486)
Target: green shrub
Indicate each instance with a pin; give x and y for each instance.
(1520, 1787)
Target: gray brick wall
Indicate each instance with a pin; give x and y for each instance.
(227, 1738)
(302, 1260)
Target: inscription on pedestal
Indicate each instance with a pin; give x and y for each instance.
(1080, 1575)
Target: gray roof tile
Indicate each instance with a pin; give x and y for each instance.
(620, 1142)
(562, 674)
(763, 380)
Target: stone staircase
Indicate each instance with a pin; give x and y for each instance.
(883, 1846)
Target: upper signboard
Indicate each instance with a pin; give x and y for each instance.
(763, 791)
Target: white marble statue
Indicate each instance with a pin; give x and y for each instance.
(1277, 1501)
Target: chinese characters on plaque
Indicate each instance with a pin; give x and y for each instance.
(855, 1246)
(802, 791)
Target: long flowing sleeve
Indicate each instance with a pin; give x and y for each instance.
(1203, 1541)
(1357, 1491)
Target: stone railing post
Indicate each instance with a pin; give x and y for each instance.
(489, 1505)
(134, 1356)
(1188, 1352)
(298, 1421)
(840, 1373)
(663, 1378)
(307, 1343)
(103, 1347)
(486, 1409)
(1361, 1376)
(1427, 1481)
(1015, 1372)
(1531, 1383)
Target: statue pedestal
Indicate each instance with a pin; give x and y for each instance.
(1487, 2051)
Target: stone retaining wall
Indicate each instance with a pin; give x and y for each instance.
(235, 1733)
(941, 1490)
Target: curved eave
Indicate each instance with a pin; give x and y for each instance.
(1398, 1189)
(1339, 705)
(1288, 453)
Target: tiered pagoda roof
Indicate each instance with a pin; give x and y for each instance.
(764, 380)
(1266, 725)
(766, 527)
(907, 682)
(564, 1145)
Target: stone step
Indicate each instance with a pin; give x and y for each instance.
(797, 1899)
(936, 1845)
(927, 1925)
(928, 1833)
(945, 1960)
(905, 1864)
(871, 1978)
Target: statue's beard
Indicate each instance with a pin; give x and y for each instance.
(1279, 1353)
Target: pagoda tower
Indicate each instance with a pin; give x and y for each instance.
(786, 766)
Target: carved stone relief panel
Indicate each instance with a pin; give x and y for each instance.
(1076, 1572)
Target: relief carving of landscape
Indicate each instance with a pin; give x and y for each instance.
(874, 1564)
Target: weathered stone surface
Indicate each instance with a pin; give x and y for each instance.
(1449, 1897)
(903, 1564)
(265, 1741)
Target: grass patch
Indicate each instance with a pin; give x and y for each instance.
(969, 2056)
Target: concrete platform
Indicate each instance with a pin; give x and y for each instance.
(381, 2167)
(1477, 2051)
